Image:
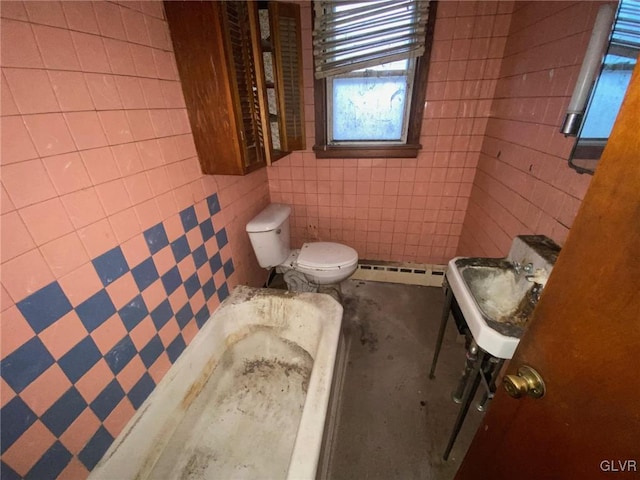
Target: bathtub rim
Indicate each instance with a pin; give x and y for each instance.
(121, 461)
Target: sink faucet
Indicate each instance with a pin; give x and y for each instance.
(518, 267)
(540, 277)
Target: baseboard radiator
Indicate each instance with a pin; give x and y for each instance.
(395, 272)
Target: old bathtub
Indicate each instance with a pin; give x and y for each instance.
(248, 398)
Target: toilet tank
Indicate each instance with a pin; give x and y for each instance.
(269, 235)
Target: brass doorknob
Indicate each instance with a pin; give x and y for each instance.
(526, 382)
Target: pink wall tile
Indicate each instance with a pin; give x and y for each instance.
(15, 330)
(63, 335)
(46, 221)
(67, 172)
(31, 90)
(22, 193)
(64, 254)
(18, 48)
(523, 182)
(80, 16)
(49, 133)
(86, 130)
(71, 91)
(56, 48)
(18, 144)
(110, 20)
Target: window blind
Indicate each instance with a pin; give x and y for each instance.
(352, 35)
(625, 39)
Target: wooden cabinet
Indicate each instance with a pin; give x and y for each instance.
(242, 117)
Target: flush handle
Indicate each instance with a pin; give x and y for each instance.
(526, 382)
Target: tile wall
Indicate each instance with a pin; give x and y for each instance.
(409, 210)
(115, 249)
(523, 183)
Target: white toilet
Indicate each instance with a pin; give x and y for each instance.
(315, 264)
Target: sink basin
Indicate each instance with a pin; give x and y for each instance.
(498, 295)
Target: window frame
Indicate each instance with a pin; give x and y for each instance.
(587, 151)
(324, 149)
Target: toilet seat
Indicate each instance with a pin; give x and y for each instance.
(326, 256)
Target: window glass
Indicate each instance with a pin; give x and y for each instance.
(370, 104)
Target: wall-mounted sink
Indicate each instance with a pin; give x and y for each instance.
(497, 295)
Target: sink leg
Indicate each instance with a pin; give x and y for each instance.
(466, 402)
(471, 357)
(495, 365)
(446, 309)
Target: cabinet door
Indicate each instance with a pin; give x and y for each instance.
(213, 44)
(242, 37)
(287, 48)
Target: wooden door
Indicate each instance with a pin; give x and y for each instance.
(584, 340)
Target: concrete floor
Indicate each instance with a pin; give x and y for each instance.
(394, 421)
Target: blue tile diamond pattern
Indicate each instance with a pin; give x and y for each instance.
(27, 363)
(108, 399)
(22, 417)
(171, 280)
(96, 310)
(120, 355)
(213, 204)
(45, 307)
(162, 314)
(111, 265)
(95, 449)
(145, 274)
(51, 464)
(189, 219)
(180, 248)
(102, 320)
(79, 360)
(206, 228)
(133, 313)
(221, 238)
(64, 412)
(141, 390)
(156, 238)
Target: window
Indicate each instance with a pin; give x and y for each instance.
(610, 88)
(371, 65)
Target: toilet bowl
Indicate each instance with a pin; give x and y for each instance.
(314, 264)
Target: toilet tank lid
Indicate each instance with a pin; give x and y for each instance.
(327, 255)
(269, 218)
